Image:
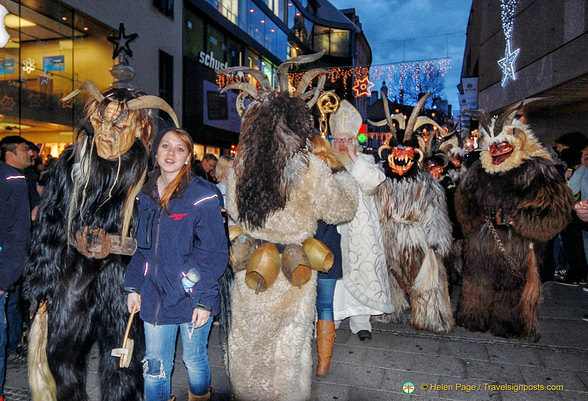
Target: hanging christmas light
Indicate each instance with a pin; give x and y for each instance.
(507, 64)
(363, 74)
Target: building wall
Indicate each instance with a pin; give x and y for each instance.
(553, 40)
(156, 31)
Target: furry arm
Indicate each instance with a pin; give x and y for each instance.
(337, 194)
(435, 219)
(546, 209)
(367, 174)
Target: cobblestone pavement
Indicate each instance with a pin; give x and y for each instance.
(457, 366)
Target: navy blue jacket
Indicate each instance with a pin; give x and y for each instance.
(15, 224)
(191, 235)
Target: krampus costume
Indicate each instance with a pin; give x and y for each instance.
(509, 203)
(416, 230)
(76, 263)
(277, 192)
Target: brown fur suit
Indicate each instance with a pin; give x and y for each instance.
(277, 192)
(523, 202)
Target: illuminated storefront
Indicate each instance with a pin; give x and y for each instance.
(260, 34)
(51, 50)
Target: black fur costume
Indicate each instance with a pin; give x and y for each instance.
(524, 202)
(85, 298)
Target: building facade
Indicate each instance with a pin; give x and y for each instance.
(54, 46)
(552, 38)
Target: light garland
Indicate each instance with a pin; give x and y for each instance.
(507, 11)
(387, 72)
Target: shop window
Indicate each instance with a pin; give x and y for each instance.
(193, 35)
(166, 77)
(321, 38)
(165, 6)
(233, 53)
(215, 44)
(340, 43)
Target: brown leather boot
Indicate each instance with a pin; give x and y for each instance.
(325, 337)
(204, 397)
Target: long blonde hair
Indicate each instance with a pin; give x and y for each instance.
(324, 151)
(184, 173)
(222, 167)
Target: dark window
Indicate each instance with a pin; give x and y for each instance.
(165, 6)
(166, 77)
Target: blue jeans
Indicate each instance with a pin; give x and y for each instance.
(14, 321)
(324, 298)
(159, 358)
(3, 335)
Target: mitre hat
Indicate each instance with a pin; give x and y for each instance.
(346, 120)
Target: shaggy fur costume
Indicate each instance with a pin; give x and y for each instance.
(524, 202)
(414, 219)
(416, 230)
(269, 354)
(86, 300)
(277, 192)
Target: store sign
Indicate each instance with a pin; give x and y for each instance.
(53, 63)
(4, 36)
(209, 61)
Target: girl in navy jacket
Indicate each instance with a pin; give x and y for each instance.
(180, 237)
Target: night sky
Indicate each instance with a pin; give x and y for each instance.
(406, 30)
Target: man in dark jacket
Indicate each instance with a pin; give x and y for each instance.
(15, 220)
(205, 168)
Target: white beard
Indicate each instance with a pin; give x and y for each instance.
(344, 159)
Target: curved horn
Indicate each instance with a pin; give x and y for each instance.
(285, 66)
(481, 116)
(398, 117)
(506, 116)
(523, 103)
(253, 92)
(88, 86)
(258, 75)
(388, 117)
(317, 91)
(240, 103)
(381, 148)
(422, 144)
(153, 102)
(422, 120)
(413, 117)
(422, 156)
(308, 77)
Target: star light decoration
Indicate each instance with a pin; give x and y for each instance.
(362, 87)
(507, 11)
(121, 44)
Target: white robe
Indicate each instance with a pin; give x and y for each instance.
(366, 286)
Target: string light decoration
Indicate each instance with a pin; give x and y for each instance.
(387, 72)
(507, 64)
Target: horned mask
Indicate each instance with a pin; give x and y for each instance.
(401, 156)
(116, 123)
(506, 141)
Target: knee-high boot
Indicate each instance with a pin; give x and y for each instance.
(204, 397)
(325, 337)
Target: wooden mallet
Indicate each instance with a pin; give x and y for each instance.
(126, 352)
